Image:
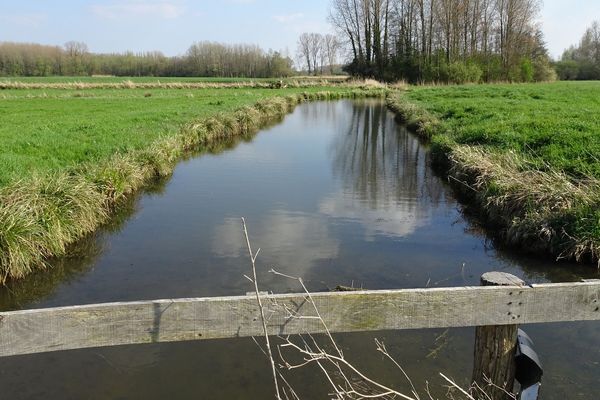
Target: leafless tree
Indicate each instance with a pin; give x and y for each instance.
(304, 51)
(331, 48)
(424, 38)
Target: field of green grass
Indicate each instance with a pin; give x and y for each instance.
(557, 124)
(52, 129)
(527, 154)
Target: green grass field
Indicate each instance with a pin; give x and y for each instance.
(557, 125)
(527, 154)
(117, 79)
(53, 129)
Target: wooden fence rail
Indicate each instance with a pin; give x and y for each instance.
(111, 324)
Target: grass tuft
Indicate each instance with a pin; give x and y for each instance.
(41, 217)
(543, 210)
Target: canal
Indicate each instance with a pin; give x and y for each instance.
(337, 193)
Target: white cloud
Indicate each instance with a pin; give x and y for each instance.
(291, 241)
(288, 18)
(139, 9)
(381, 217)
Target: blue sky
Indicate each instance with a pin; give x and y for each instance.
(172, 25)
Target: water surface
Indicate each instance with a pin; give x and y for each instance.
(338, 194)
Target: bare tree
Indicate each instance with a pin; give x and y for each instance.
(304, 50)
(315, 44)
(76, 55)
(331, 48)
(311, 52)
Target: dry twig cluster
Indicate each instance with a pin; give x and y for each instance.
(344, 379)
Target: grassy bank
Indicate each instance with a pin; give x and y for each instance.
(525, 155)
(71, 157)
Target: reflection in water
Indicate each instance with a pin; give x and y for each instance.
(337, 194)
(290, 231)
(384, 174)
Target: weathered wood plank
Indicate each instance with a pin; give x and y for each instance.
(99, 325)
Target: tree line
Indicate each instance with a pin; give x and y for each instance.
(582, 62)
(443, 40)
(206, 59)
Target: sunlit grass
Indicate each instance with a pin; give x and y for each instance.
(48, 130)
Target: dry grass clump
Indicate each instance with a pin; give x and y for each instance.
(130, 84)
(248, 119)
(399, 85)
(416, 118)
(366, 84)
(41, 217)
(115, 178)
(544, 210)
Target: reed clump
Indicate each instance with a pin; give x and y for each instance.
(39, 218)
(42, 216)
(540, 210)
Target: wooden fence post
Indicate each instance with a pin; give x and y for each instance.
(495, 347)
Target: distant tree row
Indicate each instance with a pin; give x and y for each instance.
(582, 62)
(443, 40)
(202, 59)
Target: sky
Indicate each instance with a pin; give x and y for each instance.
(171, 26)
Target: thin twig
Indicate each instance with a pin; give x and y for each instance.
(454, 385)
(262, 312)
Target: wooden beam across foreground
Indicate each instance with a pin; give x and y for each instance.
(111, 324)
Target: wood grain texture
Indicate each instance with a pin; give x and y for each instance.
(495, 278)
(99, 325)
(494, 359)
(495, 347)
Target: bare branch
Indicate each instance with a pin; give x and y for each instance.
(262, 312)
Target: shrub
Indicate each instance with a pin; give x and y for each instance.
(526, 70)
(464, 73)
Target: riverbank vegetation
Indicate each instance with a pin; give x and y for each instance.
(526, 155)
(70, 157)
